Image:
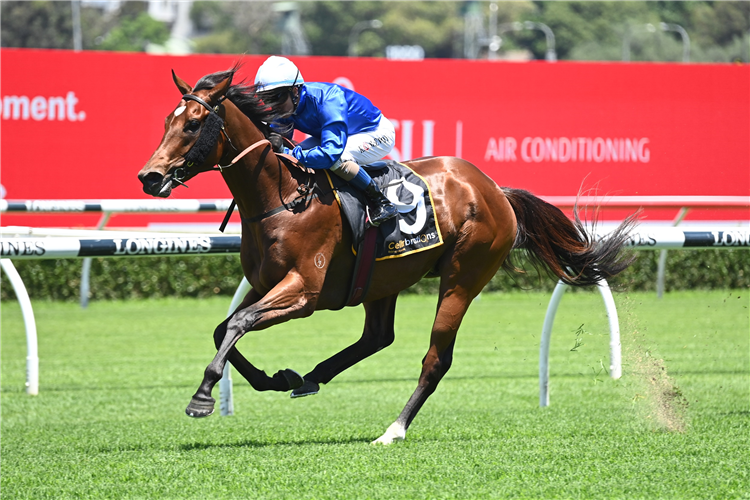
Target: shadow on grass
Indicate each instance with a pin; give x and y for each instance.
(248, 443)
(251, 443)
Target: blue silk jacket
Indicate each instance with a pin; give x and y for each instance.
(330, 113)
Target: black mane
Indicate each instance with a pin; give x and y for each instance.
(244, 96)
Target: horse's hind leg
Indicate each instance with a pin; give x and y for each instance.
(437, 362)
(378, 334)
(463, 277)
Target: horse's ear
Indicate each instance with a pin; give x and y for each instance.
(184, 87)
(220, 89)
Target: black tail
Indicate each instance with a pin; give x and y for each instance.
(564, 247)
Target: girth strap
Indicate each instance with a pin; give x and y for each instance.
(363, 267)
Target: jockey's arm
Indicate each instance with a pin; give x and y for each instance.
(333, 117)
(332, 141)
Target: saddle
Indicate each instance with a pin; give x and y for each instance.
(413, 230)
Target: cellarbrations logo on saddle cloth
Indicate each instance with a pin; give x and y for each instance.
(415, 228)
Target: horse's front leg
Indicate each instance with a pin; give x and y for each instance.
(282, 381)
(287, 300)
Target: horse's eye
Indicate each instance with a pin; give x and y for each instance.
(192, 126)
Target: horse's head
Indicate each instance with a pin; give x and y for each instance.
(191, 141)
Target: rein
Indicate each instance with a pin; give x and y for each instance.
(306, 193)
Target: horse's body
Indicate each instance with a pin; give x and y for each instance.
(300, 261)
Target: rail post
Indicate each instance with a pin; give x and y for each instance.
(226, 396)
(32, 352)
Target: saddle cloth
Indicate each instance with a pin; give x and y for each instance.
(413, 230)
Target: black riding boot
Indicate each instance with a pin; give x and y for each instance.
(381, 209)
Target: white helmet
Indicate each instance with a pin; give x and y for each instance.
(277, 72)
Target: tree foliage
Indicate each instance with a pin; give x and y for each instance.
(49, 25)
(235, 27)
(601, 30)
(436, 26)
(37, 25)
(134, 34)
(583, 30)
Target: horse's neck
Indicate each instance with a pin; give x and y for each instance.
(258, 181)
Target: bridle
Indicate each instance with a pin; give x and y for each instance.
(206, 142)
(213, 124)
(216, 122)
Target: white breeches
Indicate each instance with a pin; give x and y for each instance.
(365, 147)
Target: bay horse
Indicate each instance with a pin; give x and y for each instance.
(297, 254)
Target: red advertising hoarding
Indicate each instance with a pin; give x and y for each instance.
(79, 125)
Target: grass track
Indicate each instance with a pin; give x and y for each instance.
(115, 379)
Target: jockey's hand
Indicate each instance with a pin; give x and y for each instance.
(277, 142)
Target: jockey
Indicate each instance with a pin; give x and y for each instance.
(345, 129)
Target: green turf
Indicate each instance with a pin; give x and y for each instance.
(109, 423)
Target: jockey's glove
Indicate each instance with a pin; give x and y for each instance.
(277, 143)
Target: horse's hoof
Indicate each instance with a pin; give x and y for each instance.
(199, 408)
(308, 389)
(293, 379)
(396, 432)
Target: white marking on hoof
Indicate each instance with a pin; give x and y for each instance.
(396, 432)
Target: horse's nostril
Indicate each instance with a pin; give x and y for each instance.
(151, 178)
(151, 182)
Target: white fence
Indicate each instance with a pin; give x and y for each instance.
(106, 208)
(122, 245)
(59, 243)
(135, 245)
(682, 205)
